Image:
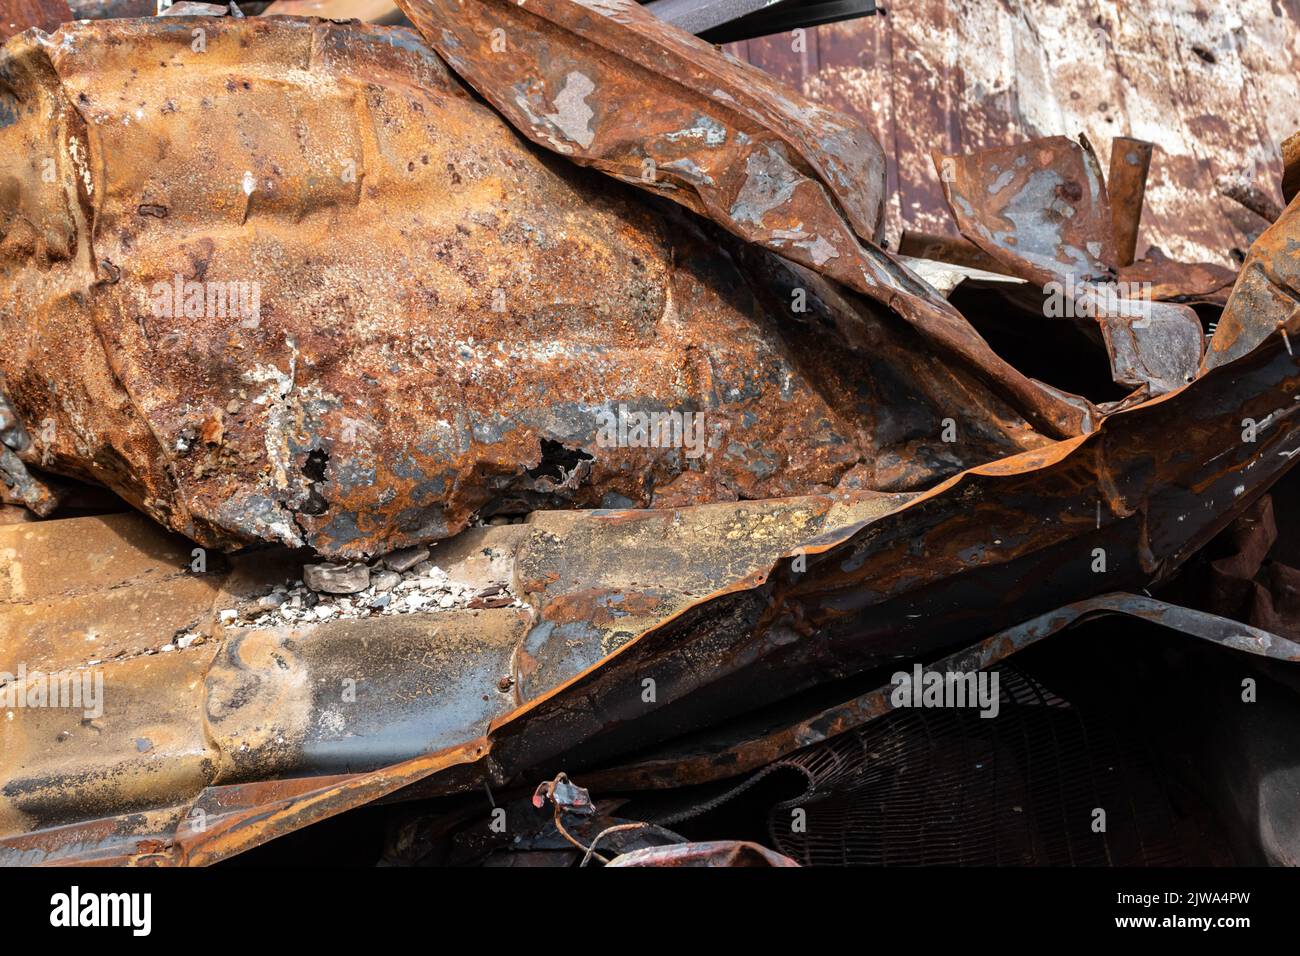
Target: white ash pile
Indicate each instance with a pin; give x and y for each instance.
(403, 582)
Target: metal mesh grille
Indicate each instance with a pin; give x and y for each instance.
(944, 786)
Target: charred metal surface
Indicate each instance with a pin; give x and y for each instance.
(995, 544)
(607, 84)
(443, 314)
(1130, 161)
(432, 320)
(865, 599)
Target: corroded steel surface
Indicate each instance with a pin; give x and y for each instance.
(875, 540)
(442, 317)
(1041, 209)
(1211, 85)
(1266, 294)
(606, 84)
(613, 603)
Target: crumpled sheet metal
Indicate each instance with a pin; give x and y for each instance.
(994, 544)
(437, 302)
(1041, 209)
(606, 84)
(1266, 295)
(991, 547)
(256, 705)
(743, 118)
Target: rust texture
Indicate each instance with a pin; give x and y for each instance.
(1210, 85)
(1130, 161)
(773, 623)
(18, 15)
(444, 311)
(607, 84)
(416, 367)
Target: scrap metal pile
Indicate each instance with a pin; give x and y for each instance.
(531, 432)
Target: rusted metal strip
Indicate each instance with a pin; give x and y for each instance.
(715, 763)
(1130, 160)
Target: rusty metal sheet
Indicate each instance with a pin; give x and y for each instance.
(1265, 296)
(1210, 85)
(609, 85)
(999, 542)
(19, 15)
(242, 706)
(1041, 209)
(742, 119)
(872, 542)
(332, 413)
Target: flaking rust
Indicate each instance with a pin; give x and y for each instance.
(302, 287)
(321, 296)
(607, 84)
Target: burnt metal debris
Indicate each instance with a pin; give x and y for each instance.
(540, 377)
